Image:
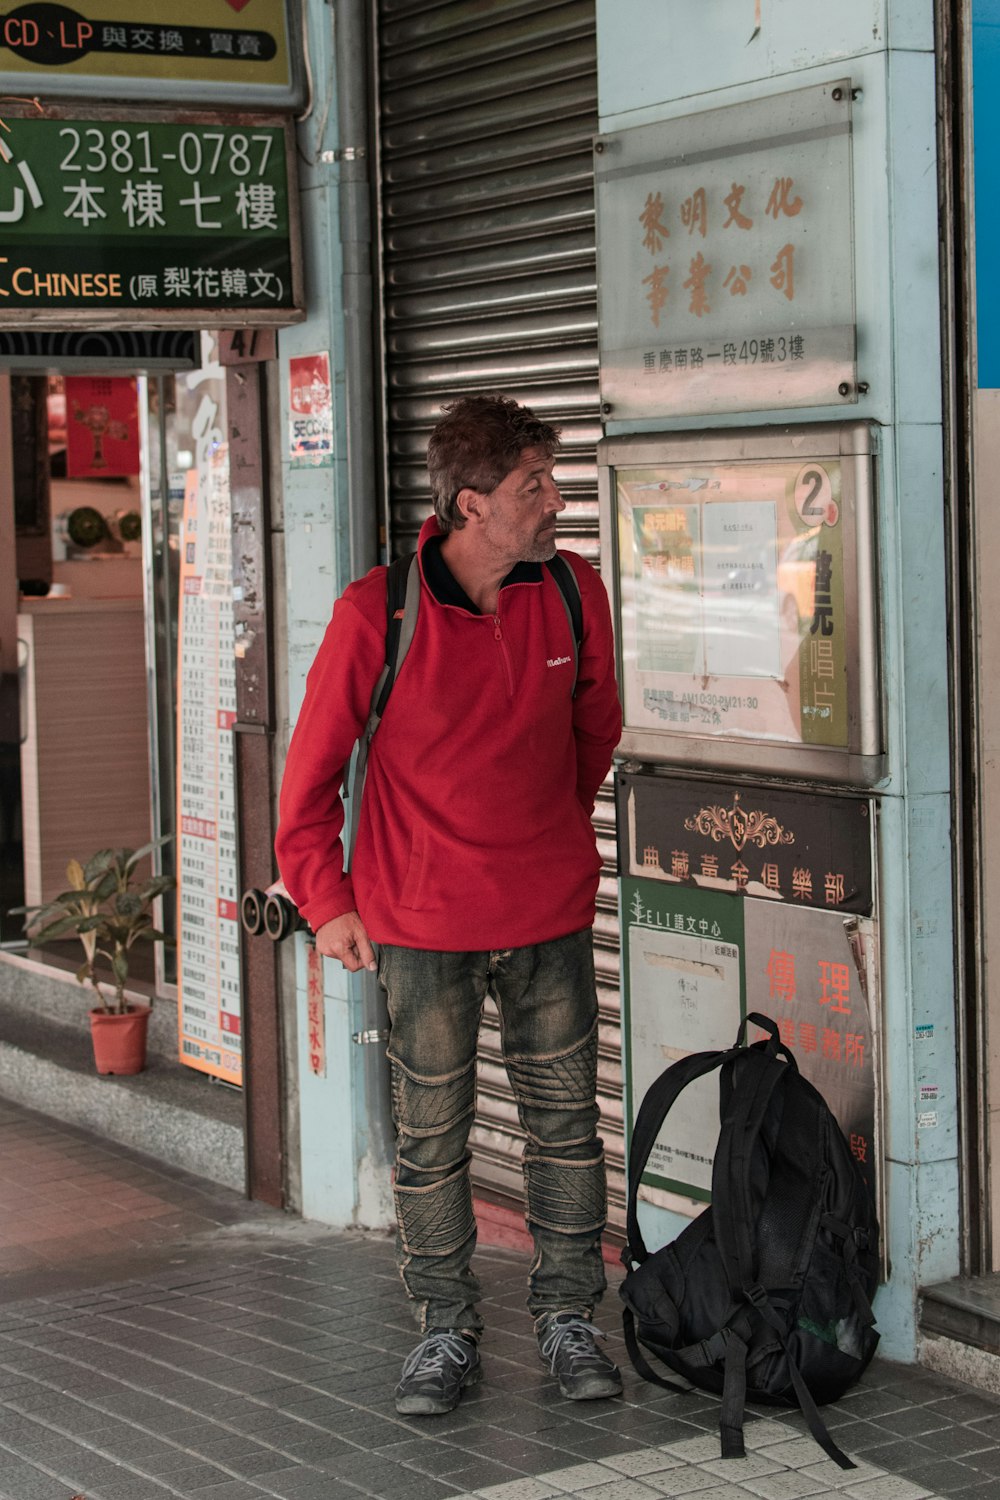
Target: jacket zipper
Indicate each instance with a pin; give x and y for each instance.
(504, 655)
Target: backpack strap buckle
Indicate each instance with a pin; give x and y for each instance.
(715, 1348)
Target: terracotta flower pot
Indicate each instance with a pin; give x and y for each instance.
(120, 1041)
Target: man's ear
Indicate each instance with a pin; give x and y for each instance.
(469, 503)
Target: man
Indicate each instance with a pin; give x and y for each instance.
(475, 871)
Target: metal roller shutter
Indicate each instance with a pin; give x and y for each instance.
(487, 110)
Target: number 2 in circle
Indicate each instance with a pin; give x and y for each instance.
(814, 497)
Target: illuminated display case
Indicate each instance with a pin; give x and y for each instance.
(742, 576)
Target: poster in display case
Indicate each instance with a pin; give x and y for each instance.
(742, 575)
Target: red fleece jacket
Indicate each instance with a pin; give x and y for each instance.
(475, 827)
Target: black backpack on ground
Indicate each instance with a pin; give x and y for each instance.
(766, 1296)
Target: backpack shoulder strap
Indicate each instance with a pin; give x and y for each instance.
(760, 1072)
(569, 590)
(402, 603)
(757, 1073)
(658, 1101)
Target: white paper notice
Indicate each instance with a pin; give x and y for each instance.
(739, 578)
(684, 997)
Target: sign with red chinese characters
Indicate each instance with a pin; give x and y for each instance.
(815, 973)
(208, 984)
(726, 258)
(695, 961)
(315, 1011)
(102, 426)
(779, 845)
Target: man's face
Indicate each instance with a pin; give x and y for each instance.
(520, 514)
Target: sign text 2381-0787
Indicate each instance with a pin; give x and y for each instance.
(155, 216)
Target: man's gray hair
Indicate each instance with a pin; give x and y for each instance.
(476, 444)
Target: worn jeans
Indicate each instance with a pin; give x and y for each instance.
(547, 1001)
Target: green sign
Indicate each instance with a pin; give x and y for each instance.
(682, 959)
(173, 222)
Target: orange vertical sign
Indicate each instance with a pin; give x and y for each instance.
(315, 1011)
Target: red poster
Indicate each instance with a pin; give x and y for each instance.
(102, 426)
(316, 1012)
(310, 411)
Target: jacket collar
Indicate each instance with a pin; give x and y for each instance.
(442, 582)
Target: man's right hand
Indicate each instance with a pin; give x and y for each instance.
(345, 938)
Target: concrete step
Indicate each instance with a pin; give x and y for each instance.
(171, 1113)
(960, 1330)
(966, 1309)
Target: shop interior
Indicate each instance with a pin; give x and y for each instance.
(88, 634)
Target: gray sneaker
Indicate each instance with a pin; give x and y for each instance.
(566, 1344)
(436, 1372)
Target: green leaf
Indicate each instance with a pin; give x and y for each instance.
(98, 863)
(103, 908)
(68, 898)
(83, 974)
(58, 929)
(34, 914)
(139, 854)
(58, 904)
(139, 926)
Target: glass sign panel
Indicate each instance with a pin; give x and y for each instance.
(744, 597)
(726, 259)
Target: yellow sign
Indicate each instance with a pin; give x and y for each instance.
(204, 49)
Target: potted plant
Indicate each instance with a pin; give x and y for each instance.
(109, 908)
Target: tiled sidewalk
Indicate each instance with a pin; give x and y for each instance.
(231, 1353)
(67, 1199)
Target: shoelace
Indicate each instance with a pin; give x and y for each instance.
(577, 1337)
(434, 1353)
